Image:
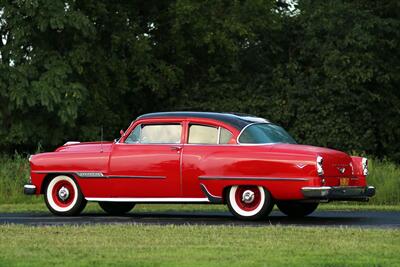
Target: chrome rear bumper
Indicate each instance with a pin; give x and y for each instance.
(355, 193)
(29, 189)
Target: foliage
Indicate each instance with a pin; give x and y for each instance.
(328, 71)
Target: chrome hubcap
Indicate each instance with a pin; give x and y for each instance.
(248, 196)
(63, 193)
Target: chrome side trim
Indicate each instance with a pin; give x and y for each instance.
(45, 172)
(135, 177)
(212, 198)
(89, 174)
(149, 199)
(252, 178)
(94, 174)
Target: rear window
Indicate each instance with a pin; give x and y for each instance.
(264, 133)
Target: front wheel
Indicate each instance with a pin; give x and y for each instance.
(116, 208)
(64, 197)
(249, 202)
(296, 209)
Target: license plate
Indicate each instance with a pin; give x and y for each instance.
(344, 181)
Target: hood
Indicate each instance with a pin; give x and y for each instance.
(85, 147)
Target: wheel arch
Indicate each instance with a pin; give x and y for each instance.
(50, 176)
(225, 190)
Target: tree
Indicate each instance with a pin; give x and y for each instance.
(327, 71)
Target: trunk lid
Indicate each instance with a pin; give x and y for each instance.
(336, 164)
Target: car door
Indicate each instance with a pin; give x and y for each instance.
(204, 155)
(147, 163)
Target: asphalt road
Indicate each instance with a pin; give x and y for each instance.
(370, 219)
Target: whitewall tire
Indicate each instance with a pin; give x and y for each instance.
(249, 202)
(63, 196)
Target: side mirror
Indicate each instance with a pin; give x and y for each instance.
(121, 132)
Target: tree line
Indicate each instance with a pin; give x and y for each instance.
(327, 71)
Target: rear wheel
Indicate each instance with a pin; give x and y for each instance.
(117, 208)
(249, 202)
(296, 209)
(64, 197)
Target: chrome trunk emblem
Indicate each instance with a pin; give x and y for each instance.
(341, 170)
(301, 165)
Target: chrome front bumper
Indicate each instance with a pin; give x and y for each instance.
(350, 193)
(29, 189)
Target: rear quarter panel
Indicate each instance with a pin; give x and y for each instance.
(212, 165)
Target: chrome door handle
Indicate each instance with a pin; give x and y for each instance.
(176, 148)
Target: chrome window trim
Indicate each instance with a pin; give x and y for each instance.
(152, 144)
(208, 125)
(230, 144)
(244, 128)
(156, 123)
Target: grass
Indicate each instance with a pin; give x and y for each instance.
(385, 176)
(138, 245)
(14, 172)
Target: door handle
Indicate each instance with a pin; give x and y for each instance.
(176, 148)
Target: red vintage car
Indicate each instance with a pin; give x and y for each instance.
(240, 160)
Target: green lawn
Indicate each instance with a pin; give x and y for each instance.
(138, 245)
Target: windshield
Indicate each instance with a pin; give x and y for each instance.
(263, 133)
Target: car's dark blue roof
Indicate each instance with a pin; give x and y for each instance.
(237, 120)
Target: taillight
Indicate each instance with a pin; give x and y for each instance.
(364, 163)
(320, 169)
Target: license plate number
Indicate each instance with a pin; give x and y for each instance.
(344, 181)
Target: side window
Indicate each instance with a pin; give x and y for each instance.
(134, 137)
(155, 134)
(225, 136)
(202, 134)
